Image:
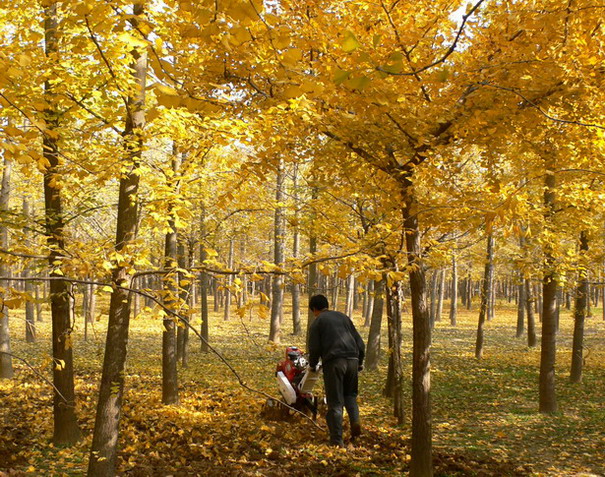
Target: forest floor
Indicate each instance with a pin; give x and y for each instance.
(485, 419)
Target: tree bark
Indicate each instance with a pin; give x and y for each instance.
(484, 296)
(103, 455)
(368, 312)
(66, 430)
(531, 320)
(279, 236)
(394, 300)
(6, 360)
(548, 398)
(30, 320)
(422, 454)
(170, 388)
(204, 289)
(440, 295)
(577, 352)
(296, 322)
(373, 347)
(521, 306)
(454, 294)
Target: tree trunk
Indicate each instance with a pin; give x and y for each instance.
(484, 296)
(433, 299)
(548, 398)
(170, 388)
(521, 306)
(296, 322)
(227, 291)
(373, 347)
(6, 360)
(577, 357)
(279, 236)
(422, 454)
(204, 288)
(369, 304)
(394, 299)
(66, 429)
(531, 320)
(30, 323)
(184, 285)
(440, 295)
(454, 294)
(103, 455)
(312, 285)
(350, 296)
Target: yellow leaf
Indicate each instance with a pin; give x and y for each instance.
(350, 42)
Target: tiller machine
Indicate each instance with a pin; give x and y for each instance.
(295, 380)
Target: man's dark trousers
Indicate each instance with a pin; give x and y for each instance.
(340, 380)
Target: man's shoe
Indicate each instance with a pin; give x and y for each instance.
(340, 444)
(355, 430)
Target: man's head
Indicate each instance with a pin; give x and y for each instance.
(318, 303)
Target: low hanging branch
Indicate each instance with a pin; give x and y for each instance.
(184, 321)
(41, 376)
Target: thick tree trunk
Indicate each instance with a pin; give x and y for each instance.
(66, 429)
(103, 455)
(454, 293)
(548, 398)
(279, 236)
(577, 352)
(422, 454)
(373, 346)
(484, 296)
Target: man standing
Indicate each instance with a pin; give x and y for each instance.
(334, 339)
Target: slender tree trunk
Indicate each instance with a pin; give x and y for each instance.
(484, 296)
(433, 300)
(350, 296)
(531, 320)
(440, 295)
(30, 323)
(170, 388)
(227, 291)
(185, 289)
(454, 294)
(521, 306)
(335, 291)
(393, 296)
(103, 455)
(66, 429)
(422, 453)
(577, 352)
(296, 322)
(312, 286)
(548, 397)
(203, 284)
(373, 347)
(6, 360)
(279, 236)
(370, 303)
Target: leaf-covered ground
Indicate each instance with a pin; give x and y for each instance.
(485, 413)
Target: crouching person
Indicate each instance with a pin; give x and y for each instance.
(334, 339)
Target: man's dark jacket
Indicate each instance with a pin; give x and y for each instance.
(333, 335)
